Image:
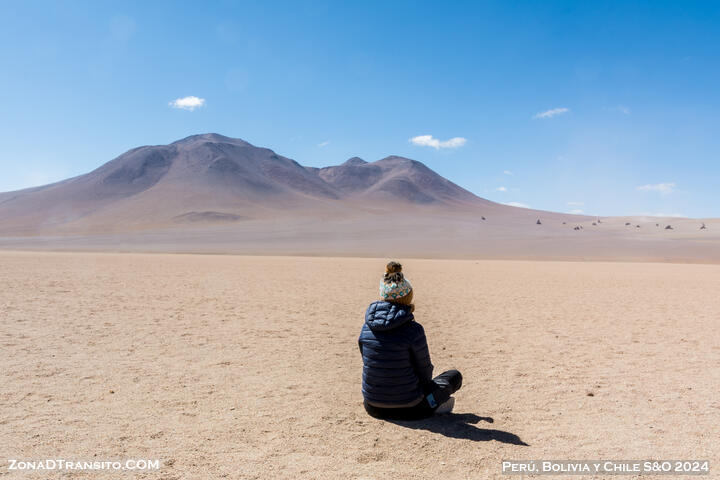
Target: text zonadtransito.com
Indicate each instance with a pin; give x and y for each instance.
(64, 464)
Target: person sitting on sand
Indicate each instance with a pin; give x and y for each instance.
(397, 378)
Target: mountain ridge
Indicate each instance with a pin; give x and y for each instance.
(207, 172)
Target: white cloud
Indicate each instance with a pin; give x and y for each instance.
(517, 204)
(188, 103)
(430, 141)
(508, 172)
(662, 188)
(576, 211)
(501, 189)
(324, 144)
(553, 112)
(576, 204)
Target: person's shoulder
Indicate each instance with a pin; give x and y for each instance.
(366, 332)
(415, 329)
(417, 325)
(377, 306)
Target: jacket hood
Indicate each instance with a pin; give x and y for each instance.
(382, 316)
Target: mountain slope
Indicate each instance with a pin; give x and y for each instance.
(223, 177)
(396, 179)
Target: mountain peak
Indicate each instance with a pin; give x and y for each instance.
(210, 137)
(394, 159)
(355, 161)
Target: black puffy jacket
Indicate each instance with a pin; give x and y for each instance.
(396, 360)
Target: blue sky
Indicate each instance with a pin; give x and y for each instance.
(609, 108)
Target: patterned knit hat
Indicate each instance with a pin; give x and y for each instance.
(394, 287)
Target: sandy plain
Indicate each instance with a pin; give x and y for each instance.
(226, 366)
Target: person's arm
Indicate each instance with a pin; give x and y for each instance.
(421, 357)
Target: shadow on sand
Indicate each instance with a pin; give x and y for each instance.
(461, 425)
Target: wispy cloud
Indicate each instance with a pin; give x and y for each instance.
(553, 112)
(430, 141)
(576, 211)
(662, 188)
(517, 204)
(324, 144)
(619, 108)
(501, 189)
(508, 172)
(188, 103)
(575, 204)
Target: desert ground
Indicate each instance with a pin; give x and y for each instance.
(509, 235)
(228, 366)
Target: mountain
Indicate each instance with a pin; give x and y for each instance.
(220, 179)
(211, 193)
(395, 178)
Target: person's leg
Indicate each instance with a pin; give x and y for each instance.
(446, 384)
(450, 379)
(442, 387)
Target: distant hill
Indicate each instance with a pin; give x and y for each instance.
(395, 178)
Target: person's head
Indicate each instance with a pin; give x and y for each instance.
(394, 287)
